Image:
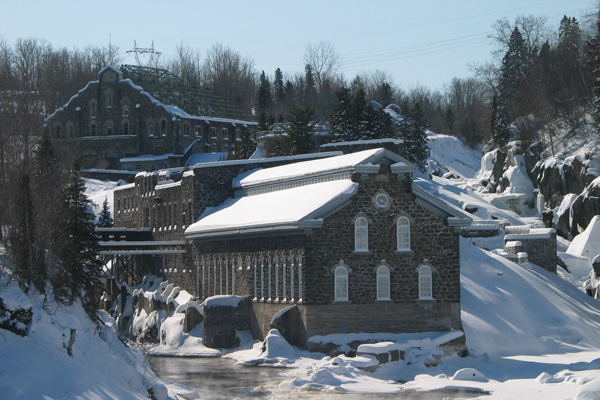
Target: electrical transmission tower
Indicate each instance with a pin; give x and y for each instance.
(140, 52)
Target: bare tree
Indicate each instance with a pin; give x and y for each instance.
(230, 75)
(186, 64)
(324, 60)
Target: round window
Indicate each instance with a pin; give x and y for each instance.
(382, 200)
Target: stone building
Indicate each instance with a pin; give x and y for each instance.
(113, 119)
(538, 246)
(350, 240)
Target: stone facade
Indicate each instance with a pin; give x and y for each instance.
(539, 244)
(298, 268)
(113, 118)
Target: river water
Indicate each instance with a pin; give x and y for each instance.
(220, 378)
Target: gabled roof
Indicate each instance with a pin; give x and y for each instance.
(333, 165)
(295, 197)
(285, 210)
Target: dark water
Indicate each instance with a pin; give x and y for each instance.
(220, 378)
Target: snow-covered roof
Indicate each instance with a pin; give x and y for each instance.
(291, 209)
(361, 142)
(315, 167)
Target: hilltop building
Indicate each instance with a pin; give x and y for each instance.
(114, 124)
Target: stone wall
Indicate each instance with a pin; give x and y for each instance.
(432, 243)
(539, 244)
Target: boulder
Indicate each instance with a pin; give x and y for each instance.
(290, 325)
(192, 318)
(224, 316)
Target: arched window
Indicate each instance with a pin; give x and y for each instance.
(125, 107)
(58, 131)
(361, 234)
(109, 128)
(125, 128)
(108, 98)
(163, 127)
(425, 283)
(403, 233)
(383, 283)
(93, 129)
(93, 109)
(341, 284)
(150, 128)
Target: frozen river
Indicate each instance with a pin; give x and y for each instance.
(220, 378)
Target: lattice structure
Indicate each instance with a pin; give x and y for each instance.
(169, 89)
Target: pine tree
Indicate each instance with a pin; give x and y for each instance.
(278, 89)
(29, 266)
(264, 98)
(500, 126)
(449, 121)
(310, 92)
(340, 118)
(300, 131)
(243, 148)
(594, 46)
(358, 112)
(105, 219)
(78, 252)
(415, 142)
(512, 75)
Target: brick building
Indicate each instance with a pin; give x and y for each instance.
(113, 119)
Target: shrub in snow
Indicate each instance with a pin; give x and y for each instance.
(469, 374)
(16, 320)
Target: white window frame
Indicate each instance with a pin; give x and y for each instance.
(93, 109)
(108, 98)
(425, 282)
(361, 234)
(125, 108)
(383, 283)
(403, 234)
(341, 284)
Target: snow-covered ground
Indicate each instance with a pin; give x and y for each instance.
(531, 334)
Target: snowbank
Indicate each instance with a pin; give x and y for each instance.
(587, 243)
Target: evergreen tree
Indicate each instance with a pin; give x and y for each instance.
(278, 88)
(340, 119)
(105, 219)
(243, 148)
(594, 45)
(500, 126)
(415, 142)
(300, 131)
(310, 91)
(512, 74)
(29, 266)
(358, 112)
(449, 120)
(78, 252)
(264, 98)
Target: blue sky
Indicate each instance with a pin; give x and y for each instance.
(417, 42)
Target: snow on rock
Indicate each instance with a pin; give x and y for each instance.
(587, 243)
(223, 301)
(579, 268)
(469, 374)
(37, 366)
(453, 155)
(339, 375)
(589, 391)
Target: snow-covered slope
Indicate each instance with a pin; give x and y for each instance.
(37, 366)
